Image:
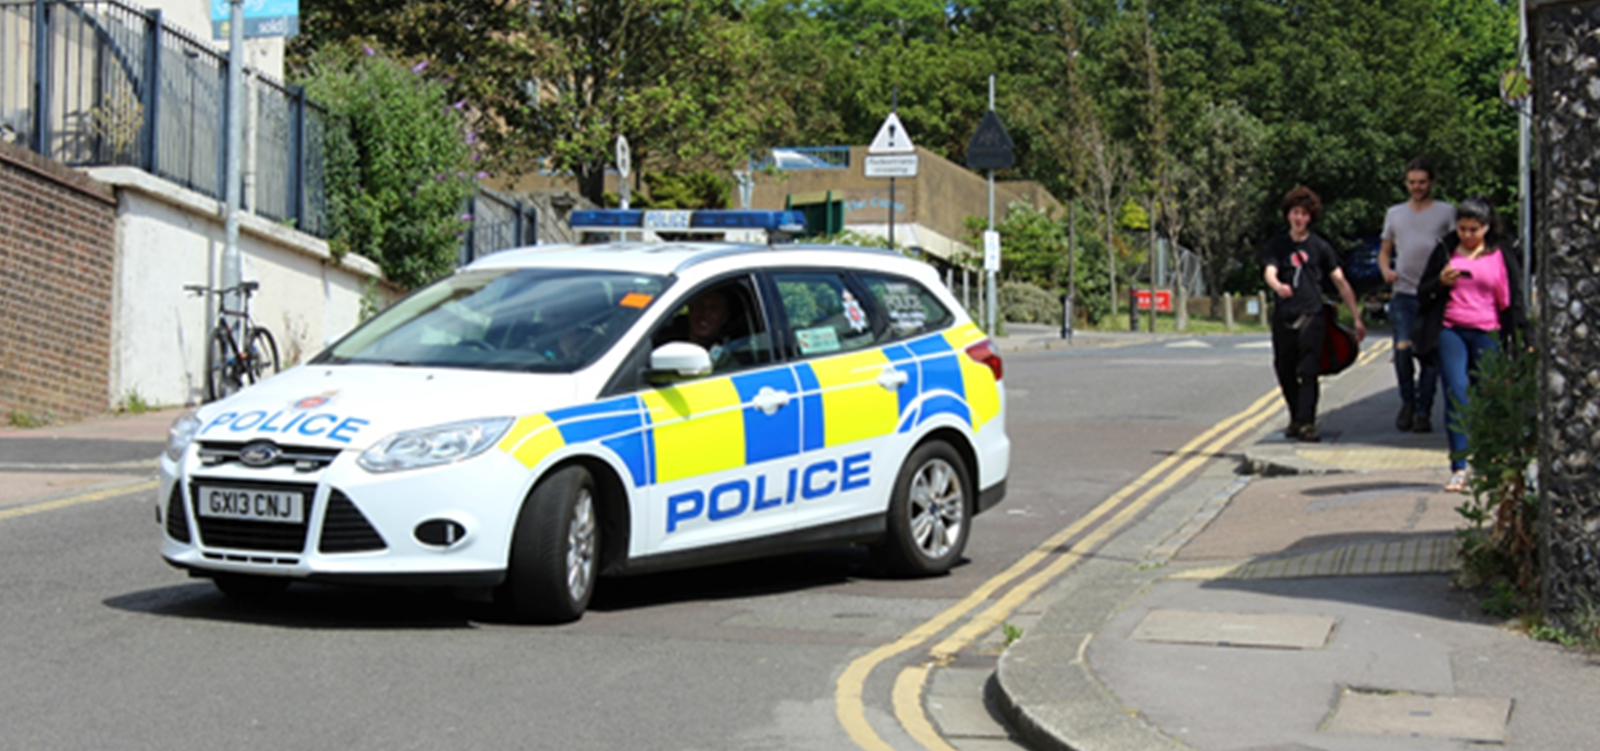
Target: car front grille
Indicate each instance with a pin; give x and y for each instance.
(302, 458)
(346, 530)
(278, 537)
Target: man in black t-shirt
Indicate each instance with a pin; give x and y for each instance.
(1296, 263)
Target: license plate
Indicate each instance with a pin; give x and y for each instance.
(255, 505)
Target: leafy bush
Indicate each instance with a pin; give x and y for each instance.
(1021, 302)
(399, 157)
(696, 190)
(1500, 548)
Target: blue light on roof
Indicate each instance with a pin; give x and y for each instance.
(706, 220)
(606, 218)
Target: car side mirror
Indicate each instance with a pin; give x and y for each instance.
(681, 359)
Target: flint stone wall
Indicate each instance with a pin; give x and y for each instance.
(1566, 54)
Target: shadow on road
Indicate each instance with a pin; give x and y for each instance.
(312, 605)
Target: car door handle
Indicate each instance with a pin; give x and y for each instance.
(770, 400)
(892, 378)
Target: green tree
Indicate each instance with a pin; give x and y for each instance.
(552, 84)
(1033, 245)
(1220, 189)
(398, 163)
(478, 49)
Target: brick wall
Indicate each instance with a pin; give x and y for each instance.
(57, 272)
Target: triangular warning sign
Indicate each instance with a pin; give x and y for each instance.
(892, 138)
(991, 147)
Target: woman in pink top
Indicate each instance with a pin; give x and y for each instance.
(1471, 301)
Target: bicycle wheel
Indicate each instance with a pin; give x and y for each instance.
(263, 355)
(222, 377)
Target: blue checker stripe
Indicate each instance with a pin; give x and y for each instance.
(930, 345)
(609, 406)
(766, 436)
(906, 361)
(631, 448)
(943, 373)
(812, 436)
(600, 428)
(939, 404)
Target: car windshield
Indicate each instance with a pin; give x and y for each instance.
(539, 320)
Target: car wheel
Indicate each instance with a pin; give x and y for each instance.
(927, 517)
(248, 587)
(554, 549)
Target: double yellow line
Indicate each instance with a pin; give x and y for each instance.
(90, 497)
(908, 686)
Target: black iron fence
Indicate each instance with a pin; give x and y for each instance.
(498, 223)
(100, 83)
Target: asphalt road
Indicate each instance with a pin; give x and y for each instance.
(103, 646)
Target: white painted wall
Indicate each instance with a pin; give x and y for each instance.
(168, 237)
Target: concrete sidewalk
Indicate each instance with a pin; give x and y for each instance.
(102, 453)
(1305, 607)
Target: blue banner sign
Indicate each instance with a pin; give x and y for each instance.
(262, 18)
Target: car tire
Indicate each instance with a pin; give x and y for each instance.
(929, 516)
(249, 587)
(554, 549)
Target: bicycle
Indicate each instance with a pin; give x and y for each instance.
(230, 368)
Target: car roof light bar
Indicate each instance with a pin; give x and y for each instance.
(706, 220)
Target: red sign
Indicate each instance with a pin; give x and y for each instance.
(1163, 300)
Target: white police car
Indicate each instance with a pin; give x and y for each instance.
(550, 414)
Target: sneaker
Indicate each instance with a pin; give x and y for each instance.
(1308, 434)
(1422, 425)
(1292, 432)
(1404, 421)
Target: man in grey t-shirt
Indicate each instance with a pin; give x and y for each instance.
(1410, 231)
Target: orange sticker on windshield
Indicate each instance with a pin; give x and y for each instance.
(635, 300)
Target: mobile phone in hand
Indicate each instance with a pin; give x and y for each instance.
(1464, 274)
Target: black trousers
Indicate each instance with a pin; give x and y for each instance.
(1297, 359)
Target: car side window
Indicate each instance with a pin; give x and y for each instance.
(823, 313)
(727, 320)
(909, 306)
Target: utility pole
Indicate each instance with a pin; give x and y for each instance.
(992, 268)
(233, 169)
(990, 149)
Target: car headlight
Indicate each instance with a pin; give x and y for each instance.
(440, 444)
(180, 435)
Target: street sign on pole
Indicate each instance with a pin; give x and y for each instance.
(747, 187)
(991, 251)
(890, 165)
(624, 166)
(991, 146)
(892, 138)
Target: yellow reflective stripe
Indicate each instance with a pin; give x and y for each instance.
(699, 429)
(964, 336)
(520, 430)
(855, 406)
(983, 394)
(538, 438)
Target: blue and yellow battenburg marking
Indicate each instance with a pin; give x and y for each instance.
(714, 425)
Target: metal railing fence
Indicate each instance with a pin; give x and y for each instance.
(498, 223)
(100, 83)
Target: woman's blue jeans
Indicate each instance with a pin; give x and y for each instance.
(1461, 351)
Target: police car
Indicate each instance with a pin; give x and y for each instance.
(550, 414)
